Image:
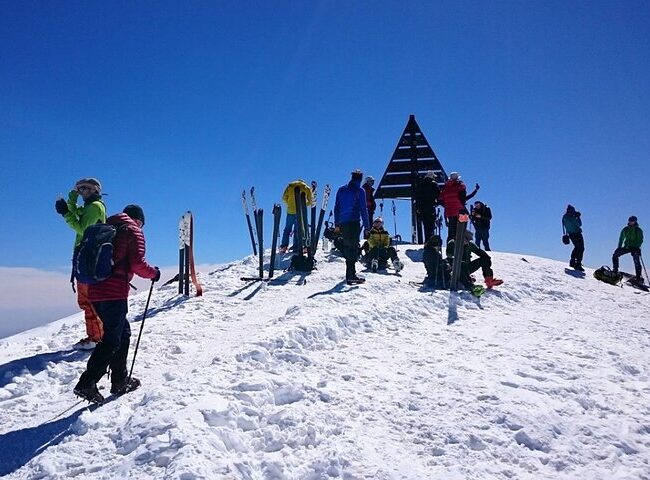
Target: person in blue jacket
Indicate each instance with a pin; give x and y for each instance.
(573, 225)
(349, 209)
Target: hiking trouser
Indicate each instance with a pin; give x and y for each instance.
(578, 248)
(484, 263)
(350, 242)
(94, 328)
(452, 224)
(428, 224)
(482, 235)
(382, 254)
(636, 257)
(289, 224)
(114, 347)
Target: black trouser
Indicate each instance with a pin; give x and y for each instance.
(437, 268)
(484, 262)
(482, 235)
(578, 248)
(350, 242)
(382, 254)
(114, 347)
(636, 257)
(452, 223)
(428, 223)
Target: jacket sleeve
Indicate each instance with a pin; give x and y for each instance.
(90, 215)
(337, 207)
(364, 209)
(285, 195)
(137, 263)
(621, 238)
(309, 196)
(640, 236)
(488, 213)
(470, 196)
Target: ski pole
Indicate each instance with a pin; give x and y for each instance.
(646, 272)
(144, 316)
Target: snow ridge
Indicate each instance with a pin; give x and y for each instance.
(308, 378)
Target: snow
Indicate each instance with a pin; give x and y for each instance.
(546, 377)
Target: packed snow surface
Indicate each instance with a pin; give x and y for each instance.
(546, 377)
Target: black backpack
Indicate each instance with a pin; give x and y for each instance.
(302, 263)
(93, 258)
(605, 274)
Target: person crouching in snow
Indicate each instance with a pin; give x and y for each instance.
(438, 270)
(110, 300)
(379, 248)
(468, 266)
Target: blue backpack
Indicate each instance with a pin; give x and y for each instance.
(93, 258)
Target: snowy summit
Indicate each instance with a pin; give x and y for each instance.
(545, 377)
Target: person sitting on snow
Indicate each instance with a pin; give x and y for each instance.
(379, 249)
(468, 266)
(438, 270)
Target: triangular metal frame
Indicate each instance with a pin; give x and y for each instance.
(412, 158)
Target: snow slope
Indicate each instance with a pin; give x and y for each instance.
(547, 377)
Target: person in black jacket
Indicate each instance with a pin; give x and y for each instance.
(426, 200)
(481, 216)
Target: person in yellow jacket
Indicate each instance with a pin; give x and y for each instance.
(79, 218)
(379, 248)
(289, 198)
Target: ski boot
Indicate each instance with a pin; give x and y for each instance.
(355, 280)
(397, 265)
(374, 265)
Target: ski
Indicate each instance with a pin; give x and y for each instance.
(312, 224)
(305, 226)
(248, 221)
(321, 217)
(298, 230)
(259, 215)
(458, 251)
(277, 214)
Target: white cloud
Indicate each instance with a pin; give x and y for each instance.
(30, 297)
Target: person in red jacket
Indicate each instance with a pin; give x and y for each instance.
(110, 300)
(453, 197)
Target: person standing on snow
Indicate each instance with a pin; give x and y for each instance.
(371, 205)
(426, 199)
(630, 241)
(481, 216)
(453, 197)
(289, 198)
(110, 300)
(572, 224)
(79, 218)
(350, 208)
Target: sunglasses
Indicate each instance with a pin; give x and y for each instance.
(83, 188)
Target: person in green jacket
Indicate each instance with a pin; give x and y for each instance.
(630, 241)
(79, 218)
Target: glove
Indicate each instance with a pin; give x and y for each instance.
(73, 196)
(61, 207)
(157, 277)
(366, 233)
(477, 186)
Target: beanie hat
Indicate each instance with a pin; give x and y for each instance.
(454, 175)
(435, 241)
(378, 220)
(135, 212)
(570, 208)
(370, 179)
(89, 182)
(632, 219)
(430, 174)
(357, 174)
(469, 236)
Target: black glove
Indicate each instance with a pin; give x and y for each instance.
(477, 186)
(157, 277)
(61, 207)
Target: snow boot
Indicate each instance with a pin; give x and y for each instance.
(374, 265)
(397, 265)
(84, 344)
(492, 282)
(89, 392)
(579, 267)
(355, 280)
(125, 386)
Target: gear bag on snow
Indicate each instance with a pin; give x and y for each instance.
(302, 263)
(605, 274)
(93, 258)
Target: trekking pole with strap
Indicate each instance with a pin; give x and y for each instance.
(144, 316)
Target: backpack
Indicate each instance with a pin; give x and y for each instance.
(605, 274)
(93, 258)
(302, 263)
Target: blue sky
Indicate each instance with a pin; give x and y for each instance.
(180, 105)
